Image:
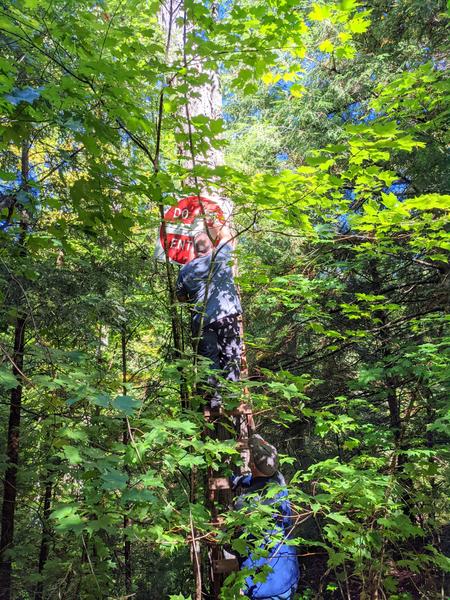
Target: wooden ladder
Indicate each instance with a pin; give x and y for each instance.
(218, 488)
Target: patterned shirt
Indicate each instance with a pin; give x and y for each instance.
(223, 300)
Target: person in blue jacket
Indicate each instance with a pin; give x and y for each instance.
(207, 284)
(281, 563)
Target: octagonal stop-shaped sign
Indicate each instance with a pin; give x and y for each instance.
(183, 222)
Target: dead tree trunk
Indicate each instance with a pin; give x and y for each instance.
(204, 100)
(176, 24)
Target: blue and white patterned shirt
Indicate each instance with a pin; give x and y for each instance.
(223, 300)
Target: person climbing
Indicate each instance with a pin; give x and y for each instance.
(207, 283)
(281, 558)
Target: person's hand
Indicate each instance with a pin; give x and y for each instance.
(214, 218)
(220, 232)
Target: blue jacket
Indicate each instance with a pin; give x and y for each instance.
(192, 283)
(282, 559)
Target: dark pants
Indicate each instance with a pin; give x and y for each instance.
(221, 343)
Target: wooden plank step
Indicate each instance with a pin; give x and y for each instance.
(214, 413)
(219, 483)
(225, 565)
(242, 445)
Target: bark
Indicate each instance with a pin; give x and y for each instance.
(46, 537)
(395, 421)
(168, 14)
(13, 436)
(175, 38)
(12, 453)
(206, 101)
(126, 441)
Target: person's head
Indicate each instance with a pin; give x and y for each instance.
(263, 457)
(202, 244)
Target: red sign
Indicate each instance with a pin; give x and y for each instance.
(182, 222)
(180, 247)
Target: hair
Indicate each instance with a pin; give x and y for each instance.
(202, 243)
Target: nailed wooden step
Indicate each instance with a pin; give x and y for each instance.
(242, 445)
(225, 565)
(214, 413)
(218, 522)
(219, 483)
(244, 409)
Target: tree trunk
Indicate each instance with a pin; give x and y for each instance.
(46, 537)
(395, 421)
(13, 437)
(126, 441)
(12, 453)
(206, 101)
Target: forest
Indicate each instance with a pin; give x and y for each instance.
(323, 127)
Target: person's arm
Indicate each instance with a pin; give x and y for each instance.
(240, 480)
(221, 232)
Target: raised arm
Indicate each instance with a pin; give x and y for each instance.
(221, 232)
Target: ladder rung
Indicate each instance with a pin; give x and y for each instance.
(213, 413)
(219, 483)
(225, 565)
(242, 409)
(245, 409)
(242, 445)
